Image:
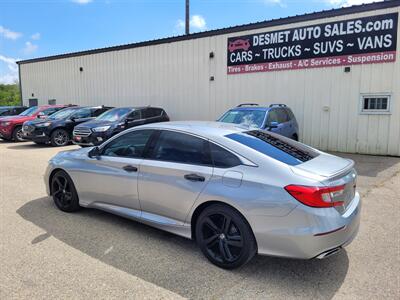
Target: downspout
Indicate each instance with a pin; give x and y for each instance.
(20, 85)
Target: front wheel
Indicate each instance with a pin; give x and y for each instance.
(17, 135)
(64, 193)
(225, 237)
(59, 138)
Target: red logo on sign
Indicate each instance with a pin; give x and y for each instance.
(239, 45)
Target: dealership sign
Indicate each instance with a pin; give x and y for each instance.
(357, 41)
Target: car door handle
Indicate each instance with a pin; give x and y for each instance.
(194, 177)
(130, 168)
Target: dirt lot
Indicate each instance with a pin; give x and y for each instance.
(45, 253)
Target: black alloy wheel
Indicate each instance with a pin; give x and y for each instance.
(59, 137)
(64, 193)
(17, 134)
(224, 237)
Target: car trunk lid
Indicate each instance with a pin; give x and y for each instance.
(326, 165)
(333, 171)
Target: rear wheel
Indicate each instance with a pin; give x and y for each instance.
(225, 237)
(59, 137)
(17, 135)
(64, 193)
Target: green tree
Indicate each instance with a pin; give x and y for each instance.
(9, 94)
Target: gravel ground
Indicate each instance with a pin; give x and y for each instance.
(91, 254)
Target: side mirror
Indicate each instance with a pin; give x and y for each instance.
(273, 125)
(41, 115)
(94, 153)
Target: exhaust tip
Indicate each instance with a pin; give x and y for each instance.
(329, 253)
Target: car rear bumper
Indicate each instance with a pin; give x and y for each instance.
(307, 232)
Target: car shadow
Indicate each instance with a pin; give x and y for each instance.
(6, 141)
(26, 145)
(32, 145)
(175, 263)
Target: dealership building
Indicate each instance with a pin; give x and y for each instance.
(338, 70)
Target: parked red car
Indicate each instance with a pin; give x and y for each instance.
(11, 126)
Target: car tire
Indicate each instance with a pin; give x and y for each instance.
(225, 237)
(17, 134)
(64, 193)
(59, 138)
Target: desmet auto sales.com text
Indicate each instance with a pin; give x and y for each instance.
(274, 49)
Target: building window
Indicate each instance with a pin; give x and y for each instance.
(375, 104)
(52, 101)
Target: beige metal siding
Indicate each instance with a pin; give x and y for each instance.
(176, 77)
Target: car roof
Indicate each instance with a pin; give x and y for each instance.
(260, 108)
(94, 106)
(257, 107)
(201, 128)
(138, 107)
(55, 105)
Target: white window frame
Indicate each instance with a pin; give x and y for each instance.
(388, 111)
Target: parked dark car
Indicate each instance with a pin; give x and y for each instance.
(11, 110)
(277, 118)
(11, 126)
(57, 128)
(114, 121)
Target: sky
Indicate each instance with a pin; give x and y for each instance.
(37, 28)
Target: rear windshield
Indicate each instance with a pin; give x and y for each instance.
(272, 145)
(251, 118)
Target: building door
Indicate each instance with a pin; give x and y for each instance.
(33, 102)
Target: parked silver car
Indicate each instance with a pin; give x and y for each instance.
(236, 191)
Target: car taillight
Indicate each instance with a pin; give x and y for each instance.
(315, 196)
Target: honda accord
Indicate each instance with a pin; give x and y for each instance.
(236, 192)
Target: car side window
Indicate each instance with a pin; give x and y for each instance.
(181, 148)
(282, 115)
(151, 112)
(131, 144)
(272, 116)
(82, 113)
(223, 158)
(135, 115)
(49, 111)
(98, 112)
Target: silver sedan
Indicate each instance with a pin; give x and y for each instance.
(236, 192)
